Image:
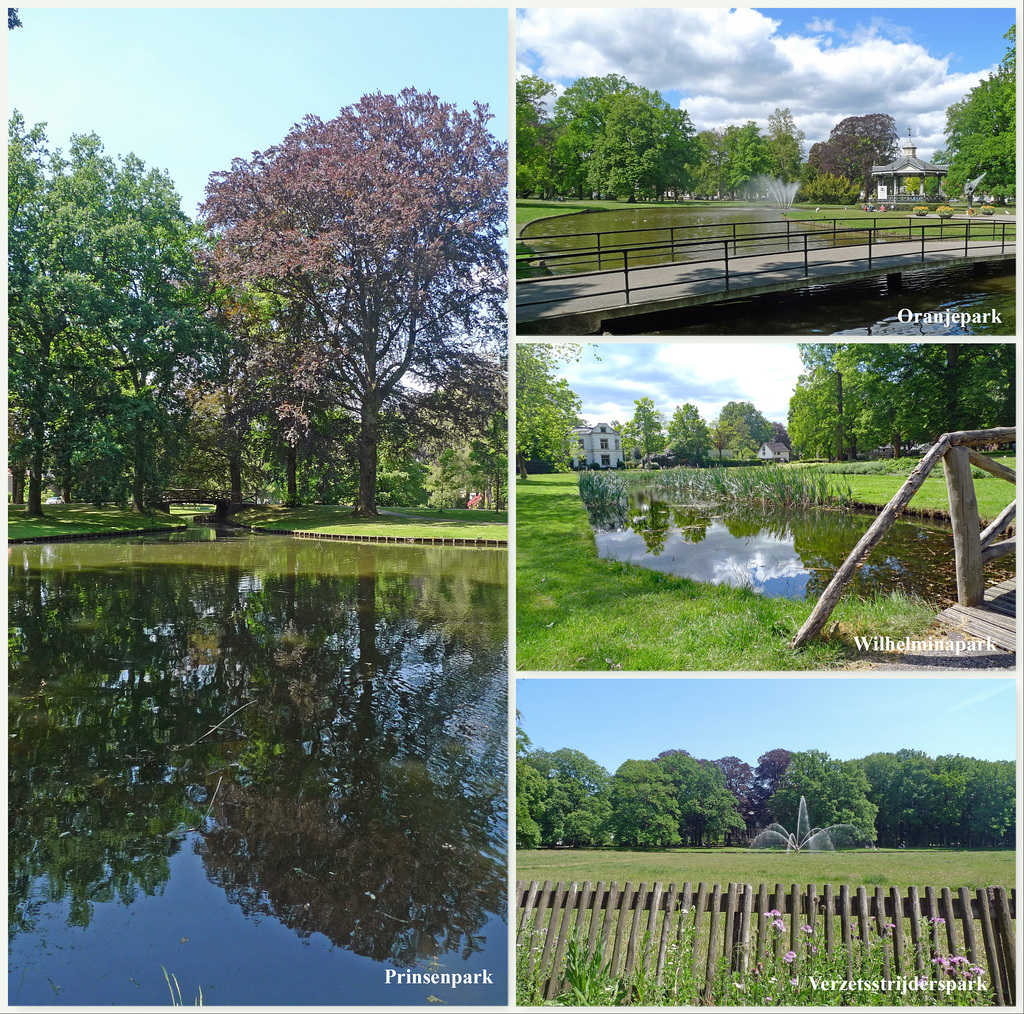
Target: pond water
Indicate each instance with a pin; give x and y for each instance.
(868, 307)
(788, 554)
(275, 768)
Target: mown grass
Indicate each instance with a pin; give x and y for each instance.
(933, 867)
(529, 210)
(328, 519)
(476, 516)
(84, 519)
(993, 494)
(577, 612)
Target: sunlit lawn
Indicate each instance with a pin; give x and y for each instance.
(576, 611)
(335, 520)
(933, 867)
(84, 519)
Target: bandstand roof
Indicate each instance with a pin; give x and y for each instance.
(908, 164)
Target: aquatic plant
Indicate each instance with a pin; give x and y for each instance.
(807, 838)
(767, 485)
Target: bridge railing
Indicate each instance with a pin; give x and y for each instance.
(733, 248)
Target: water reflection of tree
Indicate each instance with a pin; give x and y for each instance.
(375, 712)
(650, 520)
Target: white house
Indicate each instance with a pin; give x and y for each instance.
(596, 445)
(773, 451)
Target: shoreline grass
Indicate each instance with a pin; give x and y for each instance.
(578, 612)
(935, 867)
(335, 520)
(63, 520)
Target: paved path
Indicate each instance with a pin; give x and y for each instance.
(585, 300)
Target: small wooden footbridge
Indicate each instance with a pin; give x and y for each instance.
(979, 613)
(225, 503)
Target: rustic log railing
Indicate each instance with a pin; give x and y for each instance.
(729, 928)
(972, 548)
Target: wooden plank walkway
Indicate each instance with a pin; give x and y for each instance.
(996, 619)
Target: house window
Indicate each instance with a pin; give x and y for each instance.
(606, 461)
(604, 443)
(616, 443)
(581, 442)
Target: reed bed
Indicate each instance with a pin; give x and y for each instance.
(767, 485)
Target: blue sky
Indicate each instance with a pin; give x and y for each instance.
(611, 376)
(729, 65)
(188, 89)
(614, 720)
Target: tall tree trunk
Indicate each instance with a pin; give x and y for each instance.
(18, 484)
(235, 471)
(291, 467)
(366, 498)
(839, 424)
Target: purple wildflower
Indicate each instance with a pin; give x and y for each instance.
(789, 957)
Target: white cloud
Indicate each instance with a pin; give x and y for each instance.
(734, 65)
(673, 373)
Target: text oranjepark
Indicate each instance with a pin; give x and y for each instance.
(453, 979)
(906, 316)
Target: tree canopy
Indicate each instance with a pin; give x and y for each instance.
(546, 407)
(981, 129)
(384, 228)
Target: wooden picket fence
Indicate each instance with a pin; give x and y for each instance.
(635, 927)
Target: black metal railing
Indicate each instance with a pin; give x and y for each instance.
(811, 236)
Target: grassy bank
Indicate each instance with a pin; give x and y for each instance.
(62, 520)
(576, 612)
(531, 209)
(418, 523)
(993, 494)
(935, 867)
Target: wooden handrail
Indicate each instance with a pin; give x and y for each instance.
(954, 450)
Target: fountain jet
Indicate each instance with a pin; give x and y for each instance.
(778, 193)
(807, 838)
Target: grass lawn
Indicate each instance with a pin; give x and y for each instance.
(993, 494)
(84, 519)
(936, 867)
(425, 524)
(531, 210)
(577, 612)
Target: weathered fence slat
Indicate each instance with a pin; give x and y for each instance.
(730, 929)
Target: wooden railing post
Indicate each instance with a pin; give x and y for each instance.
(963, 513)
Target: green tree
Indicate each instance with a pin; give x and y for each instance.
(644, 808)
(546, 407)
(103, 320)
(836, 792)
(785, 142)
(981, 129)
(688, 437)
(712, 158)
(747, 155)
(576, 807)
(646, 429)
(534, 135)
(707, 809)
(828, 189)
(647, 147)
(750, 426)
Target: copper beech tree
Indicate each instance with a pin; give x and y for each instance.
(386, 227)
